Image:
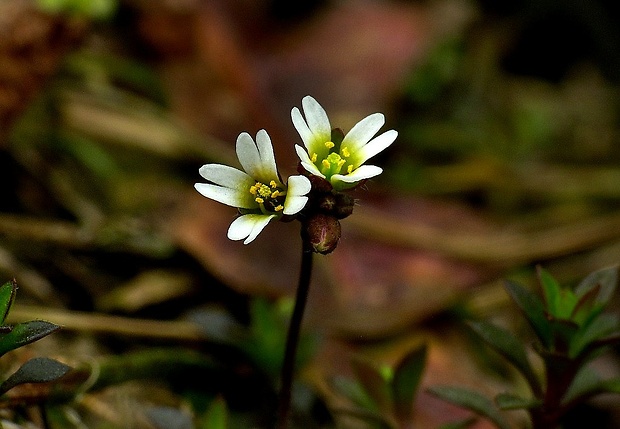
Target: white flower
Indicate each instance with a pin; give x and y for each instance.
(339, 162)
(258, 191)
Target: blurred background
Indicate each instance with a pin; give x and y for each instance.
(508, 156)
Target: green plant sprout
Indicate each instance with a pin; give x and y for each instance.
(36, 370)
(383, 394)
(571, 330)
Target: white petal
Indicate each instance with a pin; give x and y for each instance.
(248, 155)
(364, 172)
(298, 185)
(306, 162)
(225, 176)
(302, 127)
(363, 131)
(248, 227)
(316, 118)
(294, 204)
(228, 196)
(373, 147)
(268, 168)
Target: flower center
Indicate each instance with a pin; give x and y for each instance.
(334, 162)
(269, 197)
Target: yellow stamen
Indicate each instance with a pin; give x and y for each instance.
(273, 184)
(329, 145)
(275, 194)
(313, 157)
(279, 208)
(341, 163)
(345, 152)
(326, 163)
(350, 169)
(259, 200)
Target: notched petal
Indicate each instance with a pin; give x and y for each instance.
(248, 227)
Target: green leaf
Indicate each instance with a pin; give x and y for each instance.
(374, 383)
(551, 290)
(607, 278)
(599, 328)
(216, 416)
(471, 400)
(407, 377)
(354, 392)
(509, 401)
(25, 333)
(533, 309)
(7, 296)
(37, 370)
(503, 342)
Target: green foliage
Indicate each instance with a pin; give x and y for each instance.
(217, 415)
(99, 9)
(387, 393)
(571, 329)
(37, 370)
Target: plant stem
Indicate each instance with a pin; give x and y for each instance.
(292, 339)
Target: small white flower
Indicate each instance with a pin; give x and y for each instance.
(258, 191)
(339, 162)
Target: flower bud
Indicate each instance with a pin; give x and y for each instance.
(322, 233)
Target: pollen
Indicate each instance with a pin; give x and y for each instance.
(313, 157)
(345, 152)
(259, 200)
(341, 163)
(275, 194)
(326, 163)
(273, 184)
(350, 168)
(329, 145)
(279, 208)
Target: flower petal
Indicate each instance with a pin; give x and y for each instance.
(340, 181)
(248, 155)
(298, 186)
(317, 119)
(224, 175)
(268, 168)
(306, 162)
(248, 227)
(302, 127)
(373, 147)
(229, 196)
(363, 131)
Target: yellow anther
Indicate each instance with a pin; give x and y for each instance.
(253, 190)
(274, 194)
(273, 184)
(350, 169)
(326, 163)
(279, 208)
(329, 145)
(313, 157)
(345, 152)
(259, 200)
(341, 163)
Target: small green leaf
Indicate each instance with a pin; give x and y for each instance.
(37, 370)
(407, 377)
(7, 296)
(551, 290)
(533, 309)
(217, 415)
(599, 328)
(586, 384)
(607, 278)
(509, 401)
(25, 333)
(354, 392)
(471, 400)
(374, 383)
(503, 342)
